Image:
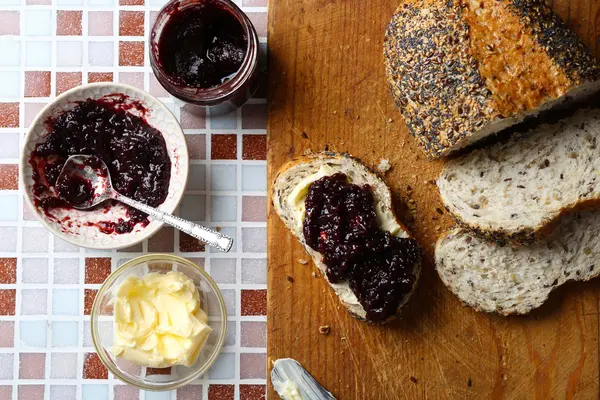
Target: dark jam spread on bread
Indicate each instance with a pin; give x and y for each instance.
(134, 151)
(341, 224)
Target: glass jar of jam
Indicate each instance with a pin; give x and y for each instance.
(205, 53)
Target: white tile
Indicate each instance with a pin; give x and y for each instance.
(38, 54)
(62, 365)
(223, 270)
(33, 333)
(68, 54)
(8, 238)
(69, 2)
(254, 178)
(65, 333)
(101, 54)
(193, 208)
(95, 392)
(34, 270)
(102, 3)
(11, 52)
(66, 270)
(38, 22)
(10, 208)
(35, 240)
(10, 2)
(197, 177)
(61, 392)
(10, 145)
(223, 209)
(224, 367)
(223, 177)
(10, 84)
(62, 246)
(34, 301)
(254, 270)
(158, 396)
(158, 3)
(6, 366)
(254, 240)
(65, 302)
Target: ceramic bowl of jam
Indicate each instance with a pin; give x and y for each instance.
(205, 53)
(137, 137)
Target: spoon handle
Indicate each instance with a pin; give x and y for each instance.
(208, 236)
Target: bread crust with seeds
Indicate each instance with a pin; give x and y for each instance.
(288, 177)
(461, 70)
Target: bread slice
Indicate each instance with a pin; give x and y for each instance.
(292, 173)
(514, 191)
(461, 70)
(516, 280)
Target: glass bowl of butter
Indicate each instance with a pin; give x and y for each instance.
(158, 322)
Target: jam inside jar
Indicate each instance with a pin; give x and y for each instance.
(205, 53)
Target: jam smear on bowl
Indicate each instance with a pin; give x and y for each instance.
(202, 46)
(134, 152)
(341, 224)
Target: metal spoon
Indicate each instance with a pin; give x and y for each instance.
(89, 177)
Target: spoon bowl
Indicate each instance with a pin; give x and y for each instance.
(84, 182)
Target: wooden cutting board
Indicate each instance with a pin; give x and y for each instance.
(327, 89)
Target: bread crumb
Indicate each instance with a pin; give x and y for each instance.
(290, 279)
(314, 274)
(218, 228)
(302, 261)
(413, 379)
(324, 329)
(304, 135)
(390, 120)
(384, 166)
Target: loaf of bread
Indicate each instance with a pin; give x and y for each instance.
(514, 191)
(516, 280)
(296, 172)
(460, 70)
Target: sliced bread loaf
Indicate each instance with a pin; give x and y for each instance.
(460, 70)
(516, 280)
(515, 190)
(299, 174)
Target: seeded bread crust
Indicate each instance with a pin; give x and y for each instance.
(461, 70)
(515, 280)
(518, 190)
(288, 177)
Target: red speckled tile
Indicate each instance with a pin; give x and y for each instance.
(253, 366)
(8, 270)
(100, 23)
(193, 117)
(131, 23)
(10, 22)
(259, 20)
(68, 23)
(9, 115)
(131, 53)
(93, 368)
(254, 208)
(136, 248)
(131, 2)
(254, 147)
(66, 81)
(9, 177)
(100, 77)
(163, 241)
(254, 302)
(158, 371)
(223, 147)
(190, 392)
(7, 301)
(196, 146)
(221, 392)
(254, 116)
(88, 300)
(124, 392)
(32, 365)
(30, 392)
(7, 334)
(37, 83)
(253, 392)
(189, 244)
(96, 270)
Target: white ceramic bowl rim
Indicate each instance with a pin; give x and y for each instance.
(109, 282)
(126, 239)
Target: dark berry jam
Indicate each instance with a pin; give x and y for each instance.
(341, 224)
(75, 189)
(135, 153)
(202, 46)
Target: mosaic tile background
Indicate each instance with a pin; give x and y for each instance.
(47, 286)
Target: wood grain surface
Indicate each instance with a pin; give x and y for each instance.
(327, 89)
